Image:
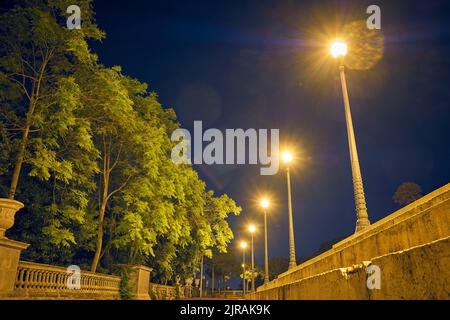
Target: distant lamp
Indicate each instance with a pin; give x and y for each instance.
(287, 157)
(243, 244)
(338, 49)
(265, 203)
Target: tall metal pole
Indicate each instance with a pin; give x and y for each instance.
(243, 271)
(266, 251)
(360, 200)
(292, 260)
(253, 267)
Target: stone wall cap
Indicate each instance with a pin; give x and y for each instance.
(5, 242)
(5, 202)
(142, 268)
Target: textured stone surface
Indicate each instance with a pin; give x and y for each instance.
(420, 223)
(139, 282)
(422, 272)
(8, 209)
(9, 260)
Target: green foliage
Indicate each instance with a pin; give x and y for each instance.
(96, 177)
(225, 264)
(277, 265)
(125, 290)
(152, 294)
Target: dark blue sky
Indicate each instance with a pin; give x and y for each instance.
(247, 64)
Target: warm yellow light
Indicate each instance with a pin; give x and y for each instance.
(251, 228)
(287, 157)
(265, 203)
(243, 244)
(338, 49)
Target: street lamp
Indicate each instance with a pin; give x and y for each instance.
(252, 229)
(287, 158)
(243, 246)
(339, 50)
(265, 205)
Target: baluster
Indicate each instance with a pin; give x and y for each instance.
(27, 278)
(45, 281)
(39, 279)
(20, 281)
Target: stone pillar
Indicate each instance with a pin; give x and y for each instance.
(9, 261)
(9, 249)
(139, 280)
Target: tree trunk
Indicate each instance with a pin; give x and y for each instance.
(19, 162)
(98, 248)
(35, 91)
(102, 210)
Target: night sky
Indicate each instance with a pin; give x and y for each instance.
(249, 64)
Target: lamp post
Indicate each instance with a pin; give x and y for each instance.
(252, 229)
(339, 51)
(265, 205)
(243, 246)
(287, 158)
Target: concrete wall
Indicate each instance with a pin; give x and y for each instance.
(420, 223)
(422, 272)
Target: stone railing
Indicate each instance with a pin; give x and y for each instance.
(226, 294)
(164, 292)
(35, 280)
(29, 280)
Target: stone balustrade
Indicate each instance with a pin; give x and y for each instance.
(165, 292)
(35, 280)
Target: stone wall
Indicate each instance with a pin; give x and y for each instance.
(406, 234)
(43, 281)
(422, 272)
(165, 292)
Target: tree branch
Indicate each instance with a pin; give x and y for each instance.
(123, 185)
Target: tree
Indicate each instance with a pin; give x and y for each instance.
(277, 265)
(40, 133)
(406, 193)
(226, 265)
(38, 57)
(92, 149)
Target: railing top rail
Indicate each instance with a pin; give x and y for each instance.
(47, 267)
(161, 285)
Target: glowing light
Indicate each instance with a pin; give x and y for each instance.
(265, 203)
(287, 157)
(251, 228)
(243, 244)
(338, 49)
